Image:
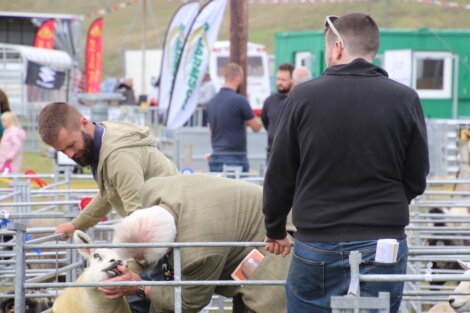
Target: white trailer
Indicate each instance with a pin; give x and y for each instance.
(258, 81)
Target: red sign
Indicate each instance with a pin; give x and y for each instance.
(94, 56)
(45, 36)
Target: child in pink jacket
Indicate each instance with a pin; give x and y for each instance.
(11, 144)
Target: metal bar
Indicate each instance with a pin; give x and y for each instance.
(64, 191)
(54, 273)
(415, 278)
(160, 283)
(38, 261)
(149, 245)
(13, 215)
(20, 304)
(436, 293)
(448, 181)
(355, 259)
(177, 277)
(38, 203)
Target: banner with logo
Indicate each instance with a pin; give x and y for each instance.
(45, 35)
(193, 63)
(94, 56)
(43, 76)
(173, 47)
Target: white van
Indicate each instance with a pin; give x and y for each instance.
(258, 83)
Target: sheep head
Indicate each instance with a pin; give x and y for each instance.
(102, 263)
(461, 303)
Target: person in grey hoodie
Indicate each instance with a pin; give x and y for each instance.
(122, 156)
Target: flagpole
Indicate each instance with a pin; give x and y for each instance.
(239, 37)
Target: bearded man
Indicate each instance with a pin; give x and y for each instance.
(273, 104)
(122, 156)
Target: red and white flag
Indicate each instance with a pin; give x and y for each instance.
(45, 35)
(94, 56)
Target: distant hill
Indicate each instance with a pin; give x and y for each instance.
(122, 29)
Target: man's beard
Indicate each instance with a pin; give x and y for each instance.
(283, 91)
(85, 155)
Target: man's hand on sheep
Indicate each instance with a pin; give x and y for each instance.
(67, 228)
(278, 246)
(116, 292)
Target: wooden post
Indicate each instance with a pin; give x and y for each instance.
(239, 36)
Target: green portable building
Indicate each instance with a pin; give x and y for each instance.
(434, 62)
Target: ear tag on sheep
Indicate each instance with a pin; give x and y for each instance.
(28, 238)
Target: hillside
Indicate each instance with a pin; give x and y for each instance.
(122, 29)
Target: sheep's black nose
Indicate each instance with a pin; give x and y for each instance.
(451, 301)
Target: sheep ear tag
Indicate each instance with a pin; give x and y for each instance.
(464, 265)
(80, 237)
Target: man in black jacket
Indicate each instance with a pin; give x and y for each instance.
(349, 154)
(273, 104)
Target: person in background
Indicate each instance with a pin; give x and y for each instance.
(154, 90)
(350, 153)
(4, 107)
(11, 145)
(301, 75)
(228, 114)
(206, 93)
(273, 104)
(126, 89)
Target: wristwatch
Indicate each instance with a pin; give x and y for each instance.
(141, 292)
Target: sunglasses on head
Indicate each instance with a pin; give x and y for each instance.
(329, 23)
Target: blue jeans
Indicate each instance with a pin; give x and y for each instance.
(217, 162)
(320, 270)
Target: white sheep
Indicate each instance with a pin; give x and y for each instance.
(102, 264)
(461, 303)
(443, 307)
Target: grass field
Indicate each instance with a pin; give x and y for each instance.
(264, 19)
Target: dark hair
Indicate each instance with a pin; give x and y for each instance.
(288, 67)
(231, 71)
(4, 104)
(55, 116)
(359, 32)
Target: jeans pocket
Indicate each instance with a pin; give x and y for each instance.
(369, 266)
(306, 278)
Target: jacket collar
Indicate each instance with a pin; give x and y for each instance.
(357, 67)
(98, 137)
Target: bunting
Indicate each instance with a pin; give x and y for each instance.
(444, 4)
(295, 1)
(112, 9)
(306, 1)
(126, 4)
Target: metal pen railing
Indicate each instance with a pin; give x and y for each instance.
(177, 283)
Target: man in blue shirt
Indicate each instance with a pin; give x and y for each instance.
(228, 113)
